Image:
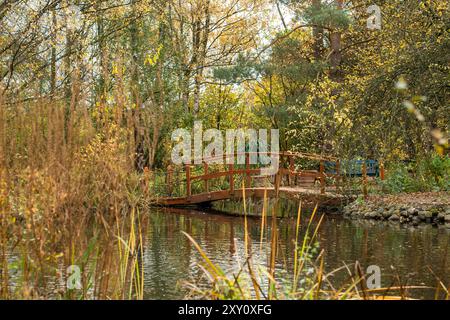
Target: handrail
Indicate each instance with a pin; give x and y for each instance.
(225, 156)
(249, 172)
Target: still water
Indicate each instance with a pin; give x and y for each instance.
(409, 255)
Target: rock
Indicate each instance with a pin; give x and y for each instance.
(423, 215)
(377, 214)
(355, 213)
(398, 213)
(386, 214)
(434, 212)
(394, 217)
(348, 209)
(370, 215)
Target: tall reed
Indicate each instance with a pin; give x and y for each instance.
(69, 195)
(309, 280)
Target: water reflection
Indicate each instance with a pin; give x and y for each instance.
(402, 253)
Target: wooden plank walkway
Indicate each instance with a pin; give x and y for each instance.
(257, 192)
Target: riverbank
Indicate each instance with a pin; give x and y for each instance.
(413, 208)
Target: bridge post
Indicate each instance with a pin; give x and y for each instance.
(248, 178)
(231, 177)
(291, 170)
(381, 170)
(277, 183)
(146, 182)
(177, 179)
(364, 178)
(205, 166)
(338, 174)
(169, 180)
(152, 175)
(188, 180)
(322, 177)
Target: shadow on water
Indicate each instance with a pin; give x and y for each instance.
(404, 254)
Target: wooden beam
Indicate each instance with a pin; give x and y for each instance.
(146, 180)
(322, 177)
(169, 180)
(338, 174)
(364, 178)
(188, 180)
(248, 177)
(291, 170)
(277, 183)
(215, 175)
(231, 176)
(308, 195)
(205, 166)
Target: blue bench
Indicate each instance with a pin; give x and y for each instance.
(353, 168)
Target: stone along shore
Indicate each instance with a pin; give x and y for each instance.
(411, 208)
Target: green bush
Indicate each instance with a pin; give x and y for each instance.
(431, 173)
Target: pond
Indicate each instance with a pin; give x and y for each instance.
(408, 255)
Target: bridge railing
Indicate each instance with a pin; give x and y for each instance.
(296, 170)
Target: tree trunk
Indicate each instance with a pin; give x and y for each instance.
(102, 54)
(336, 55)
(53, 54)
(158, 117)
(140, 161)
(317, 35)
(201, 46)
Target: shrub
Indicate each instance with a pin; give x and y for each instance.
(431, 173)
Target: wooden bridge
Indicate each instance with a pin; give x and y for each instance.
(300, 176)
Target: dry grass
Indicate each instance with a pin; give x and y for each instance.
(69, 195)
(309, 280)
